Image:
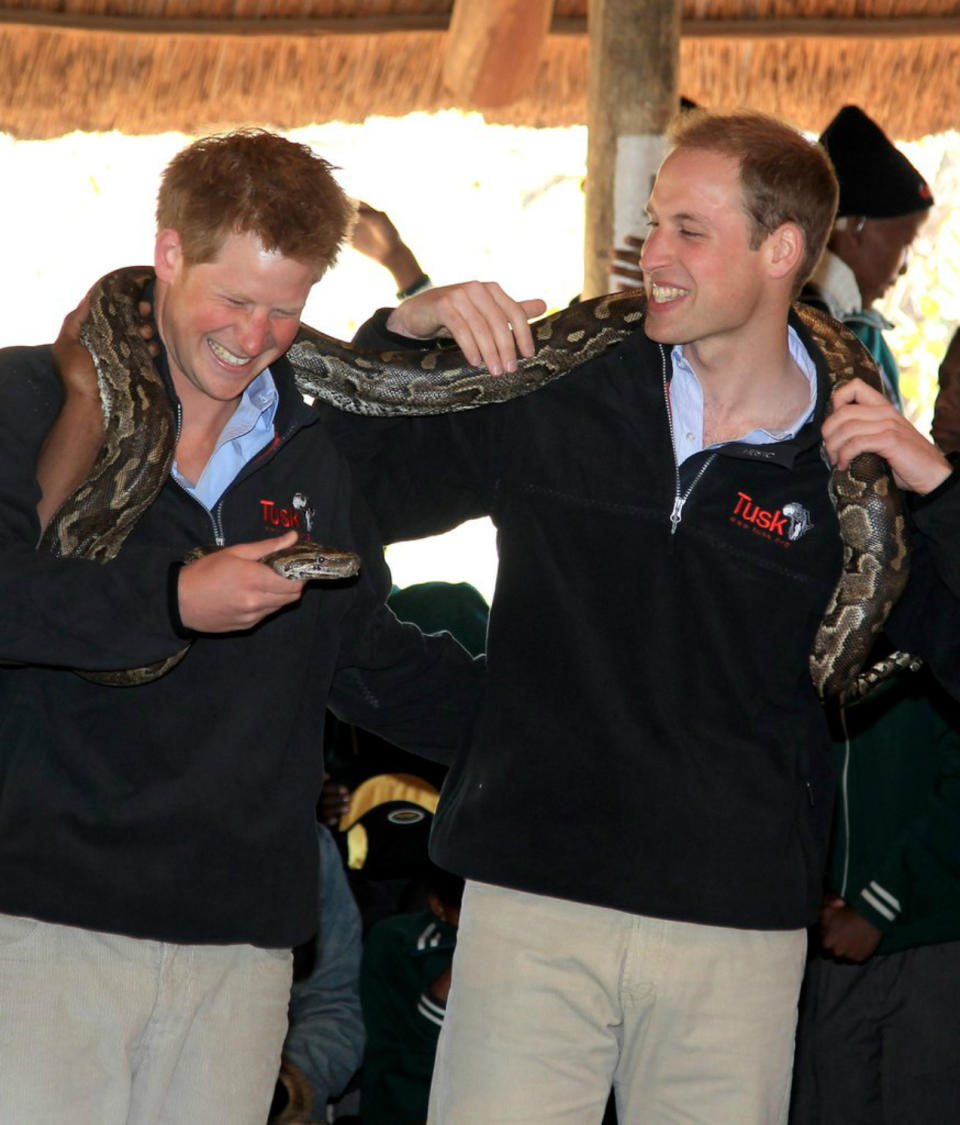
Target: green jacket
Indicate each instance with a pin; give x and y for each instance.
(895, 854)
(402, 957)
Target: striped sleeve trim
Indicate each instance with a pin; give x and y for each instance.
(882, 901)
(431, 1009)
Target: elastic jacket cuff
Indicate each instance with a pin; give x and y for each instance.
(375, 336)
(918, 503)
(878, 905)
(173, 601)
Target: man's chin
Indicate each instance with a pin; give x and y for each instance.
(660, 333)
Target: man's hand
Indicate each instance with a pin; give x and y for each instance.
(487, 326)
(334, 802)
(147, 327)
(863, 421)
(375, 236)
(231, 589)
(293, 1099)
(441, 986)
(844, 933)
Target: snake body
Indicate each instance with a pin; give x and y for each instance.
(305, 561)
(140, 435)
(873, 531)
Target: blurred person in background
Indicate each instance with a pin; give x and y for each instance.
(884, 202)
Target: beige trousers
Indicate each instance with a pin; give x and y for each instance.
(553, 1002)
(98, 1029)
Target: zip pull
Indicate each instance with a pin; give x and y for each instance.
(675, 515)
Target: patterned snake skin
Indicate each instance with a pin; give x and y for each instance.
(139, 445)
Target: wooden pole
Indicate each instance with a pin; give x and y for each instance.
(493, 49)
(634, 59)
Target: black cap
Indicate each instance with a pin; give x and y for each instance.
(876, 179)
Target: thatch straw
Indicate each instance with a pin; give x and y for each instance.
(54, 79)
(908, 86)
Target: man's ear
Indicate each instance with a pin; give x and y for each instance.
(786, 247)
(167, 255)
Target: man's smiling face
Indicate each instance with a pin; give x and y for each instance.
(702, 278)
(225, 321)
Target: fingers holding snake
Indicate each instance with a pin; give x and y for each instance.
(231, 589)
(489, 327)
(864, 421)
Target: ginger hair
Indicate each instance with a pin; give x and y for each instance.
(254, 182)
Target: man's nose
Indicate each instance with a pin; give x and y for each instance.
(255, 332)
(654, 250)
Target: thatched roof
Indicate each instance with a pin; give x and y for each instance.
(146, 66)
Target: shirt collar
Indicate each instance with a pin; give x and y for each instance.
(686, 398)
(247, 431)
(259, 398)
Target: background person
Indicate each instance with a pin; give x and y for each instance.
(323, 1047)
(404, 985)
(880, 1012)
(375, 236)
(883, 203)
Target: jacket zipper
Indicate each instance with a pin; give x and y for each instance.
(679, 498)
(216, 513)
(215, 523)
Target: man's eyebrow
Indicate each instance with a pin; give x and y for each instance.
(677, 216)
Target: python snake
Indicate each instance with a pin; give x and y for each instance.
(139, 442)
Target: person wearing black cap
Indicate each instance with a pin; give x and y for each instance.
(880, 1013)
(883, 203)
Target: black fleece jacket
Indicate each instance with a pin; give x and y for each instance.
(183, 810)
(650, 739)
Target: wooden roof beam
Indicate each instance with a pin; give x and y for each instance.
(631, 96)
(863, 28)
(493, 49)
(856, 28)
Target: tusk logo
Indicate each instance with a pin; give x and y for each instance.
(785, 525)
(299, 516)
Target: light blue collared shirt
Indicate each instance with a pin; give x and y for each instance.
(249, 430)
(686, 403)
